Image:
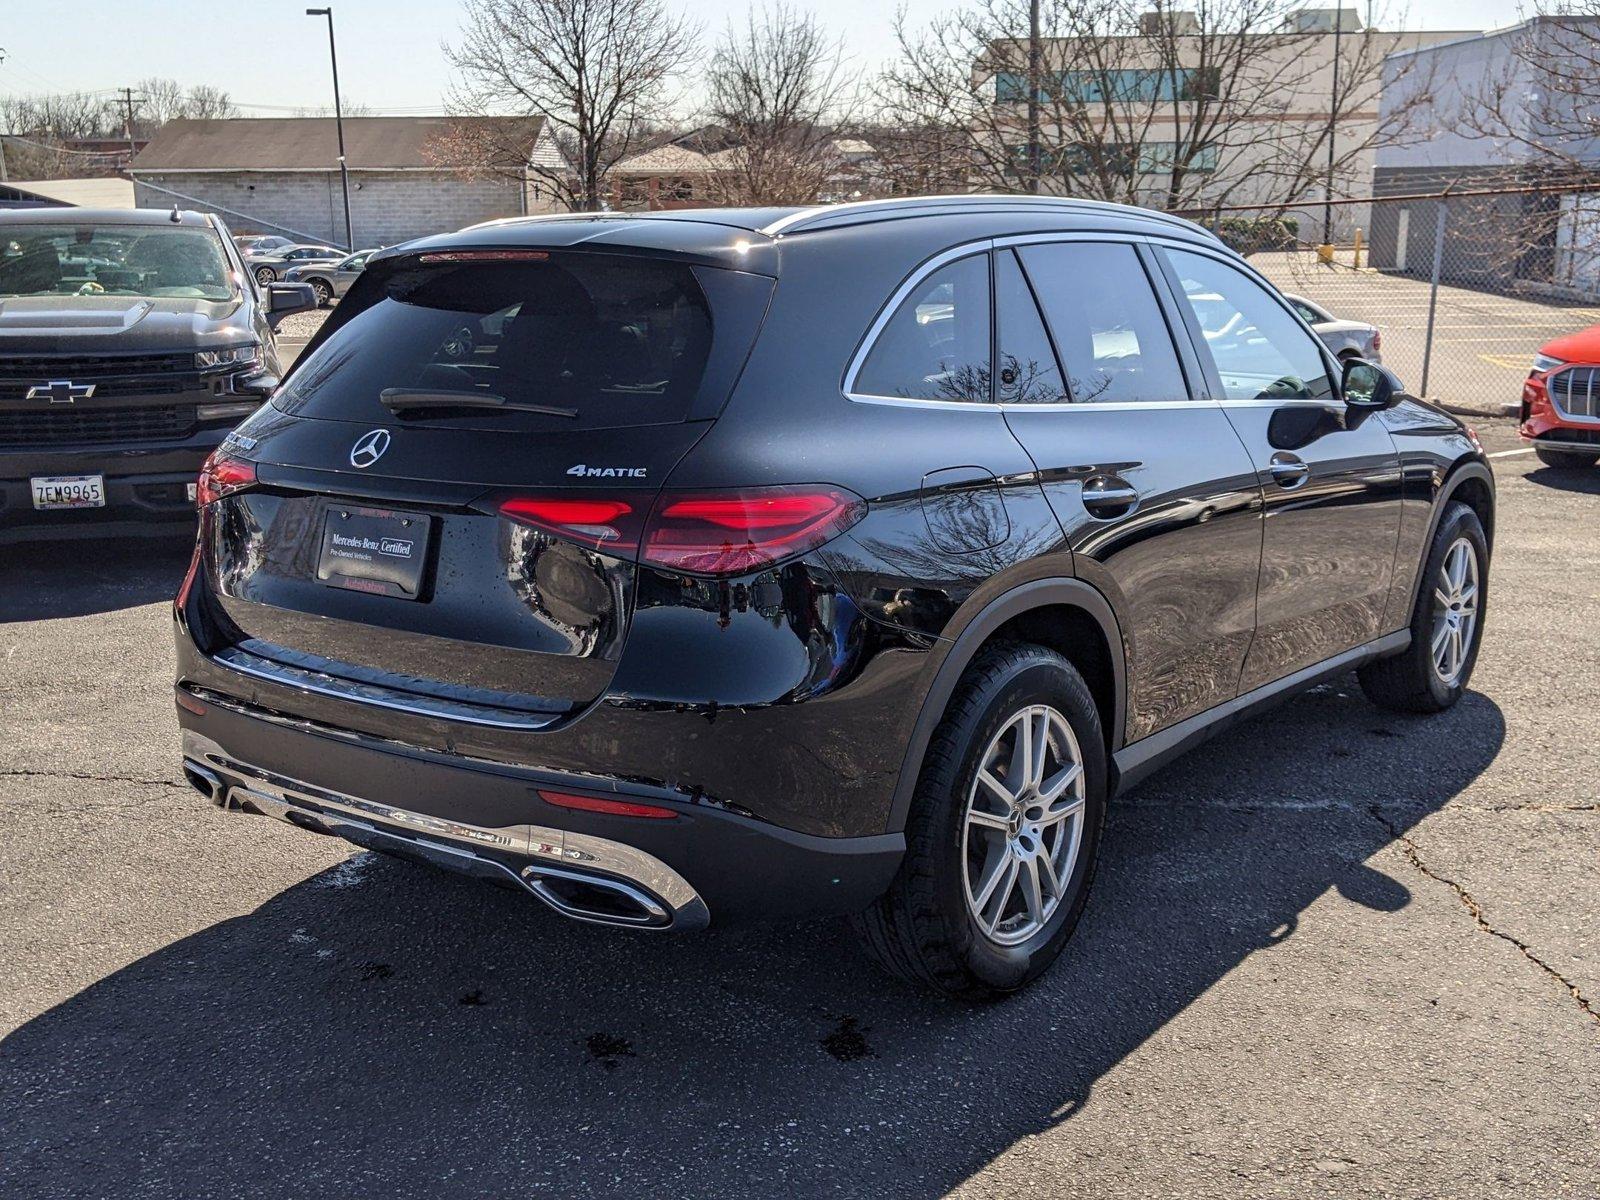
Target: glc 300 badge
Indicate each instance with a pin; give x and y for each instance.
(369, 448)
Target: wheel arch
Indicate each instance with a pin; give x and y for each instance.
(1472, 483)
(1066, 615)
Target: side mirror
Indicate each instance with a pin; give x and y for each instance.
(1367, 385)
(286, 299)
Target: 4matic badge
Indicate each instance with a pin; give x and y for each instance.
(586, 472)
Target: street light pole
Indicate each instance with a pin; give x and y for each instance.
(338, 121)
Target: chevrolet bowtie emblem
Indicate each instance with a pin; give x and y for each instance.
(61, 391)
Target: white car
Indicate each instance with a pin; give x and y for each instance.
(1347, 339)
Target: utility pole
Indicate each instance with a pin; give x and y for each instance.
(127, 103)
(338, 121)
(2, 136)
(1333, 128)
(1034, 165)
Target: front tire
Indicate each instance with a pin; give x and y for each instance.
(322, 292)
(265, 275)
(1446, 625)
(1003, 833)
(1566, 460)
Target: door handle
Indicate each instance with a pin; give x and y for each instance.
(1288, 471)
(1107, 496)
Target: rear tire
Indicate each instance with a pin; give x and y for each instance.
(1566, 460)
(1414, 680)
(928, 928)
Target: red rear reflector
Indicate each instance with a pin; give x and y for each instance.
(478, 256)
(222, 475)
(615, 808)
(190, 704)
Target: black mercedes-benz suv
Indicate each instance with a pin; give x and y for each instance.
(681, 567)
(130, 343)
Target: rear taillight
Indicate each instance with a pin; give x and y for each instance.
(734, 532)
(601, 524)
(729, 532)
(221, 476)
(1377, 341)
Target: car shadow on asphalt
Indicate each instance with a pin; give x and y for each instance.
(380, 1029)
(44, 580)
(1584, 480)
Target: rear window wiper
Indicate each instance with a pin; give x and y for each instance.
(403, 400)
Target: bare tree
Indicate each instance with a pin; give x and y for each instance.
(159, 100)
(780, 91)
(597, 71)
(1137, 102)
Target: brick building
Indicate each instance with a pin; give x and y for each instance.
(281, 175)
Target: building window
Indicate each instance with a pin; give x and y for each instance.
(1121, 159)
(1132, 86)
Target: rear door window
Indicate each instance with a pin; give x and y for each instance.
(1106, 322)
(612, 340)
(935, 346)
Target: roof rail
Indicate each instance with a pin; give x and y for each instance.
(905, 205)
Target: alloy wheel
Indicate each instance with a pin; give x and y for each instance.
(1023, 825)
(1455, 610)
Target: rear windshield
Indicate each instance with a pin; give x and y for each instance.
(91, 259)
(605, 340)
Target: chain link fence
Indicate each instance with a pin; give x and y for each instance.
(1463, 286)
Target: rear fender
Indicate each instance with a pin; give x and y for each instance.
(960, 652)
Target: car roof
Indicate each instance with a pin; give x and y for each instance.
(747, 238)
(104, 216)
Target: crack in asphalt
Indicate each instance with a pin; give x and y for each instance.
(1414, 856)
(89, 778)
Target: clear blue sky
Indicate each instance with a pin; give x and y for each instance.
(389, 55)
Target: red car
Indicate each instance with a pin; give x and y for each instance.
(1561, 401)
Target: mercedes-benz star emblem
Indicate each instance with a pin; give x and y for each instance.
(369, 448)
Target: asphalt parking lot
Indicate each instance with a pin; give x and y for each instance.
(1333, 953)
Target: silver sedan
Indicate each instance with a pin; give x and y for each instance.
(1347, 339)
(329, 280)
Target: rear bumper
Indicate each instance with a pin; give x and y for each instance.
(488, 820)
(147, 488)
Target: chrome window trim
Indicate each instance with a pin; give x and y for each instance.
(986, 245)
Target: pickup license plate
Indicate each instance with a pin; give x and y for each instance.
(376, 550)
(68, 491)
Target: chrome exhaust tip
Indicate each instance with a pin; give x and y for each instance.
(206, 782)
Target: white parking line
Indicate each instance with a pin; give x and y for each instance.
(1509, 453)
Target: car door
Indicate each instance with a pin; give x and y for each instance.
(1330, 474)
(1152, 486)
